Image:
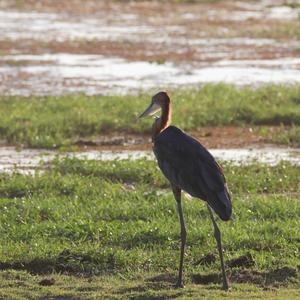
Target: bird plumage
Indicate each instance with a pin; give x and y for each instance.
(188, 165)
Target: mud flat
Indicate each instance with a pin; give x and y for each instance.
(56, 74)
(117, 48)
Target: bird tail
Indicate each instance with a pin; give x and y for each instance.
(221, 203)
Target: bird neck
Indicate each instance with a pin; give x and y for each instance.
(163, 122)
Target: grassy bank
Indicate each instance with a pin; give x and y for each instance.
(55, 121)
(108, 228)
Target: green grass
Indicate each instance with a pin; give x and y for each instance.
(289, 136)
(59, 121)
(21, 285)
(110, 229)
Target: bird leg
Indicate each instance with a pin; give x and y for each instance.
(177, 195)
(217, 234)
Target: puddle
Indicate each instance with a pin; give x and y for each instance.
(55, 74)
(25, 161)
(28, 160)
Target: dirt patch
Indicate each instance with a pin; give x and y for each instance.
(275, 277)
(36, 266)
(211, 137)
(229, 137)
(47, 282)
(165, 277)
(246, 260)
(247, 276)
(206, 279)
(281, 275)
(64, 263)
(207, 260)
(225, 137)
(116, 140)
(158, 282)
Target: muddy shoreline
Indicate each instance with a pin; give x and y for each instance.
(232, 144)
(212, 137)
(28, 161)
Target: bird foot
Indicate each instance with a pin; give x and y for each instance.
(225, 287)
(179, 285)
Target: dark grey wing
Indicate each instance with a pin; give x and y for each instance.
(187, 164)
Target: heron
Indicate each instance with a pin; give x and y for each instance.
(189, 167)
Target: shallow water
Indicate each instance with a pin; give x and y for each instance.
(239, 60)
(55, 74)
(29, 160)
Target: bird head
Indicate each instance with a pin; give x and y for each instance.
(157, 102)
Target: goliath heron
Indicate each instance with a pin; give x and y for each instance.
(189, 167)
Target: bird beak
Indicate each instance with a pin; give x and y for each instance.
(150, 110)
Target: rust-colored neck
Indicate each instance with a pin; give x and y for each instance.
(165, 114)
(163, 122)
